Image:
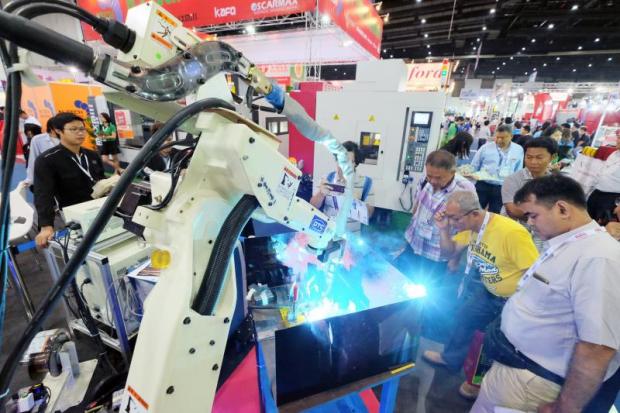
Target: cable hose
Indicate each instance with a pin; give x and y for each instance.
(215, 274)
(148, 151)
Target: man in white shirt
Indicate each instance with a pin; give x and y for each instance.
(40, 144)
(606, 194)
(559, 335)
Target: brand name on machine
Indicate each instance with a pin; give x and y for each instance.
(272, 4)
(263, 183)
(225, 11)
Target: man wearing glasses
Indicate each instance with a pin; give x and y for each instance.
(65, 175)
(501, 250)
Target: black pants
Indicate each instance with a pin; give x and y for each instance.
(490, 195)
(601, 206)
(474, 313)
(606, 395)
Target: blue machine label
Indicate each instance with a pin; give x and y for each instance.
(318, 224)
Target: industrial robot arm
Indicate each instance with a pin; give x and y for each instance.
(235, 167)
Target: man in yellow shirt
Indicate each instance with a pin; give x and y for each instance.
(501, 250)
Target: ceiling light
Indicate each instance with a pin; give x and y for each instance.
(575, 7)
(492, 11)
(428, 46)
(579, 48)
(418, 1)
(544, 64)
(574, 70)
(523, 48)
(478, 39)
(344, 73)
(386, 18)
(526, 73)
(391, 56)
(325, 19)
(503, 63)
(378, 5)
(493, 72)
(384, 50)
(598, 39)
(557, 58)
(511, 58)
(335, 69)
(429, 53)
(533, 40)
(73, 69)
(484, 28)
(550, 26)
(426, 35)
(534, 70)
(250, 29)
(609, 59)
(497, 68)
(589, 64)
(473, 48)
(423, 21)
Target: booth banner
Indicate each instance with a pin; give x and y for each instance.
(285, 74)
(124, 128)
(38, 102)
(424, 76)
(197, 13)
(359, 19)
(474, 94)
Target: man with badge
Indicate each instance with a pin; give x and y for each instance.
(65, 175)
(492, 163)
(501, 250)
(557, 341)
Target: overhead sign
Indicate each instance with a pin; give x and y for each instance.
(473, 94)
(285, 74)
(359, 19)
(198, 13)
(427, 76)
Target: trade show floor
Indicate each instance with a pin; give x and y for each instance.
(425, 390)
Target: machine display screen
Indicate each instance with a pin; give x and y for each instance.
(369, 146)
(421, 119)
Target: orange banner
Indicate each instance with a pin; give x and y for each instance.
(38, 102)
(73, 97)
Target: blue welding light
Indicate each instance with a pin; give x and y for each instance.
(415, 290)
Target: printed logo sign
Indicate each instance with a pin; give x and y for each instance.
(318, 224)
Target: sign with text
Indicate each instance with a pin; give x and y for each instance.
(427, 76)
(359, 19)
(197, 13)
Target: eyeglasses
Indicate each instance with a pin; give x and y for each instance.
(458, 218)
(76, 130)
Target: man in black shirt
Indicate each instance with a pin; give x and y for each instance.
(65, 175)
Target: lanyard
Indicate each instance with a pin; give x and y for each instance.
(502, 157)
(483, 228)
(86, 170)
(552, 250)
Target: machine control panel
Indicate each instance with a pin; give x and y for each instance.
(417, 137)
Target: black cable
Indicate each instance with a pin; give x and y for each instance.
(215, 274)
(148, 151)
(45, 8)
(175, 179)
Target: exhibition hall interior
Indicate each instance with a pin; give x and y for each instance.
(320, 206)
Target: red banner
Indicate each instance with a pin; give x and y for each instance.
(197, 13)
(359, 19)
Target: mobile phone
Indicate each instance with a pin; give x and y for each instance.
(337, 188)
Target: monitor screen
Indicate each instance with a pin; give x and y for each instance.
(422, 118)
